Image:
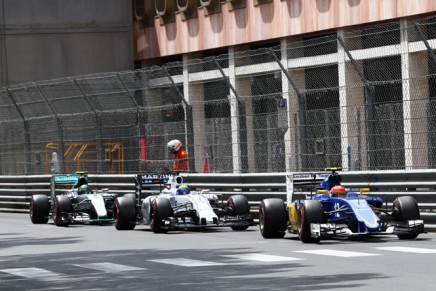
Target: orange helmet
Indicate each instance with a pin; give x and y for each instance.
(338, 190)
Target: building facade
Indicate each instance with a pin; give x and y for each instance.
(48, 39)
(356, 77)
(248, 86)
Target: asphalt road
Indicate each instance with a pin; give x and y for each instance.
(87, 257)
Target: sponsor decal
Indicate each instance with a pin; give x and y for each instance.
(310, 176)
(66, 179)
(155, 179)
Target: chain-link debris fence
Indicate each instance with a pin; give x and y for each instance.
(361, 99)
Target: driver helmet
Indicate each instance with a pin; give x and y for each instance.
(174, 145)
(335, 179)
(338, 191)
(183, 190)
(84, 189)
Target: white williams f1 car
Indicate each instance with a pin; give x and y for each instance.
(179, 208)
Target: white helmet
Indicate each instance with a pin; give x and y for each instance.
(174, 145)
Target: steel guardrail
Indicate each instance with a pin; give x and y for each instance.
(15, 191)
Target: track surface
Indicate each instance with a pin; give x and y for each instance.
(93, 257)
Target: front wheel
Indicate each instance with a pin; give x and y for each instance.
(310, 211)
(272, 218)
(62, 208)
(39, 209)
(125, 213)
(161, 210)
(239, 206)
(406, 208)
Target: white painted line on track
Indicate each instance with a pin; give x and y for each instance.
(241, 242)
(109, 267)
(409, 250)
(262, 258)
(31, 273)
(335, 253)
(186, 262)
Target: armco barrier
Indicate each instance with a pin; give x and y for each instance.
(15, 191)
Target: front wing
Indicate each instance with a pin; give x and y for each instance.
(329, 230)
(83, 218)
(179, 223)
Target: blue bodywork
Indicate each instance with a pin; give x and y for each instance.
(353, 210)
(351, 213)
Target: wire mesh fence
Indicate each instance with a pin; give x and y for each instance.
(362, 99)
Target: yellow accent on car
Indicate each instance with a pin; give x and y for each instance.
(364, 190)
(333, 169)
(293, 217)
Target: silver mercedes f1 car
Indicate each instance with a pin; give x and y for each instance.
(77, 204)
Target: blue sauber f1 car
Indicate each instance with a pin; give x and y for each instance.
(335, 212)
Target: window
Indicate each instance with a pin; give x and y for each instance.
(319, 84)
(320, 45)
(216, 100)
(377, 36)
(385, 114)
(188, 8)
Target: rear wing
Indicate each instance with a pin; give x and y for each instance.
(303, 181)
(306, 180)
(159, 180)
(71, 180)
(65, 180)
(154, 179)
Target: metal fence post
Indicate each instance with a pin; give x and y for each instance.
(98, 124)
(237, 107)
(369, 93)
(189, 127)
(138, 110)
(60, 129)
(301, 109)
(26, 134)
(425, 41)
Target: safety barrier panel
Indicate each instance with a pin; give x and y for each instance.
(15, 191)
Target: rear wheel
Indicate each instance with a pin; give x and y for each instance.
(62, 208)
(272, 218)
(39, 209)
(130, 196)
(125, 213)
(161, 210)
(240, 206)
(310, 211)
(406, 208)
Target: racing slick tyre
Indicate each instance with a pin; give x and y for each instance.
(239, 206)
(62, 207)
(161, 210)
(272, 218)
(310, 211)
(130, 196)
(39, 209)
(125, 213)
(406, 208)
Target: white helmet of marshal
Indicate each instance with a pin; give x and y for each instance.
(174, 145)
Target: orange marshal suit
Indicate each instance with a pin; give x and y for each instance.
(181, 160)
